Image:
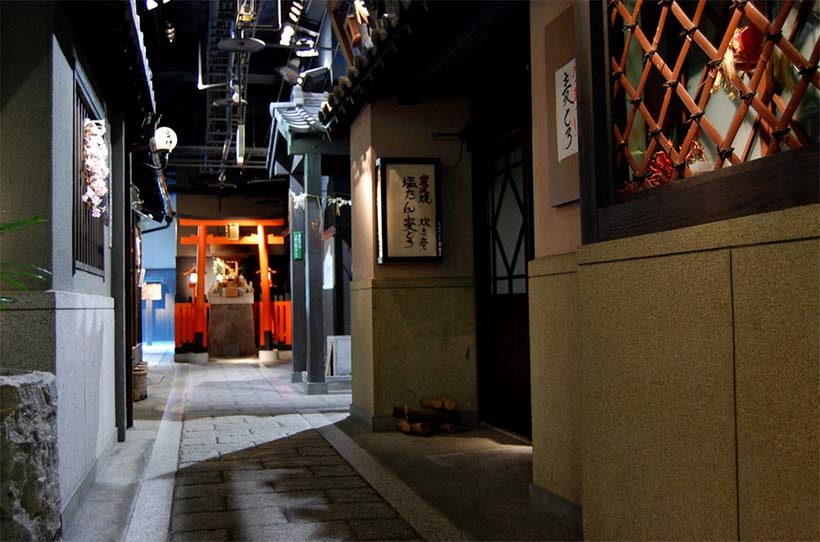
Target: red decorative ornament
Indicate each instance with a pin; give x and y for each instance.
(746, 46)
(659, 171)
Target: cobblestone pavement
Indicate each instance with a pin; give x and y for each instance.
(251, 467)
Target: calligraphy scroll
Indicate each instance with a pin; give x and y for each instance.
(566, 111)
(409, 222)
(561, 111)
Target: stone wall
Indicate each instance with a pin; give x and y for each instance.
(30, 500)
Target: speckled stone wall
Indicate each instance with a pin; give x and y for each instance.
(555, 359)
(412, 324)
(658, 418)
(424, 342)
(412, 338)
(778, 380)
(699, 378)
(361, 344)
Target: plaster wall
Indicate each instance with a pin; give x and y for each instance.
(557, 230)
(159, 247)
(700, 375)
(66, 324)
(25, 131)
(413, 325)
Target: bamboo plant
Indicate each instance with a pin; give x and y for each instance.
(14, 274)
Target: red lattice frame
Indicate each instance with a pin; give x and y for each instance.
(758, 93)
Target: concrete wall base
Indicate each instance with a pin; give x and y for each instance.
(375, 424)
(558, 508)
(200, 358)
(382, 424)
(76, 500)
(315, 388)
(269, 356)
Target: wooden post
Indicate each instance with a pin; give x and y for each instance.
(264, 307)
(315, 383)
(201, 316)
(298, 304)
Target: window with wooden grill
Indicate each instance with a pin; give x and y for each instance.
(88, 231)
(711, 110)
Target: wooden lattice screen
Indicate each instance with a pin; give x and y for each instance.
(698, 84)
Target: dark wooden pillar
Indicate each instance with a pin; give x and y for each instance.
(121, 234)
(315, 378)
(297, 285)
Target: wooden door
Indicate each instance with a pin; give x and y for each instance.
(503, 248)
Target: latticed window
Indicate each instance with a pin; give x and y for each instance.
(89, 232)
(698, 84)
(702, 87)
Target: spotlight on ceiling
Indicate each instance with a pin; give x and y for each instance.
(240, 145)
(170, 31)
(287, 35)
(305, 48)
(295, 12)
(303, 76)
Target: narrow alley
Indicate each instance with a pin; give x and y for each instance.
(409, 270)
(239, 453)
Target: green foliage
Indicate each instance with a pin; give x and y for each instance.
(16, 274)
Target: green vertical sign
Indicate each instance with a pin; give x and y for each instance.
(297, 245)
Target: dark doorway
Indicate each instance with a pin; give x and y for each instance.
(499, 137)
(503, 229)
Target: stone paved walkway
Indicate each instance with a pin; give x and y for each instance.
(251, 466)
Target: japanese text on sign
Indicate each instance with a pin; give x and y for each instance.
(411, 209)
(566, 111)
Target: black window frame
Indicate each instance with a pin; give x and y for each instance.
(88, 233)
(787, 179)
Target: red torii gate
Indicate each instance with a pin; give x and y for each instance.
(202, 240)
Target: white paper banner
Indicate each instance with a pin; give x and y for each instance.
(566, 111)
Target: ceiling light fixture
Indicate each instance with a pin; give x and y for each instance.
(302, 77)
(240, 145)
(170, 31)
(287, 35)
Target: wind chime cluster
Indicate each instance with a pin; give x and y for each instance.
(95, 166)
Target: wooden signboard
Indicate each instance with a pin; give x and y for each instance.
(562, 132)
(408, 196)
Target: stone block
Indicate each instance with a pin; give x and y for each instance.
(230, 519)
(319, 483)
(338, 348)
(217, 535)
(657, 438)
(361, 494)
(347, 511)
(192, 478)
(288, 499)
(382, 529)
(299, 532)
(265, 475)
(30, 500)
(211, 503)
(332, 470)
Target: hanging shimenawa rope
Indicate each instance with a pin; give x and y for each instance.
(299, 201)
(95, 166)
